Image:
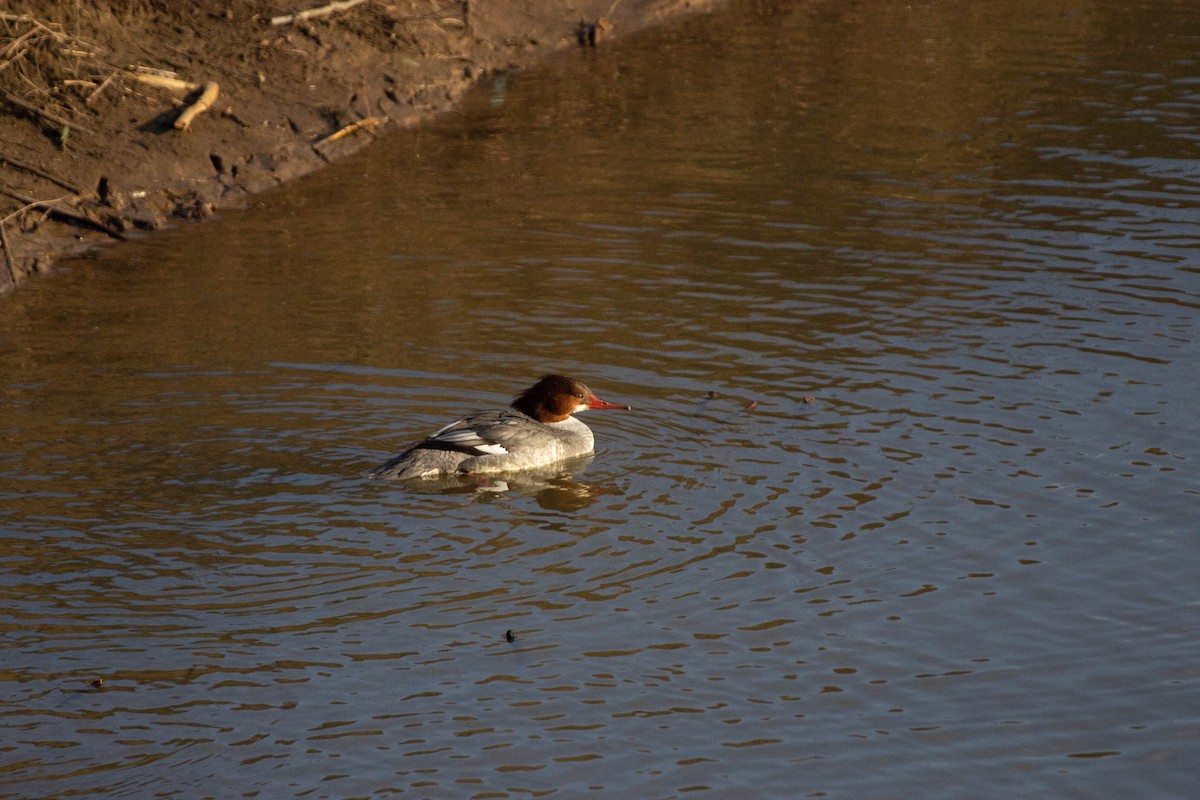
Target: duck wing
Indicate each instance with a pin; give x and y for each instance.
(486, 433)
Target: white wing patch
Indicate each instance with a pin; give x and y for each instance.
(492, 449)
(468, 438)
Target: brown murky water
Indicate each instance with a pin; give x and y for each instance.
(968, 568)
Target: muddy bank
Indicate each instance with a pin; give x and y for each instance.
(125, 116)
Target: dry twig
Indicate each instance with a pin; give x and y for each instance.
(40, 173)
(96, 92)
(320, 11)
(370, 123)
(13, 100)
(55, 208)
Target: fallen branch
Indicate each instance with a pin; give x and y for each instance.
(320, 11)
(13, 100)
(207, 98)
(55, 209)
(8, 259)
(370, 123)
(40, 173)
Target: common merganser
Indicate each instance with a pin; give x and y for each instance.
(535, 431)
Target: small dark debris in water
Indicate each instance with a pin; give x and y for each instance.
(708, 397)
(753, 404)
(808, 398)
(509, 636)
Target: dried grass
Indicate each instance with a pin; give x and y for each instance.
(43, 64)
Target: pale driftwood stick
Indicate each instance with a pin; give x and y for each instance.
(54, 208)
(320, 11)
(40, 173)
(12, 99)
(163, 82)
(207, 98)
(368, 123)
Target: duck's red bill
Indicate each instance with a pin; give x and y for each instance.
(596, 402)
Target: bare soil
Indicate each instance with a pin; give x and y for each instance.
(91, 94)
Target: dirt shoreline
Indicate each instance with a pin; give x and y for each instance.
(90, 98)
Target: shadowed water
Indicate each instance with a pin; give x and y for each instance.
(904, 297)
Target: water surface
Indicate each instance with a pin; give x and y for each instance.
(905, 299)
